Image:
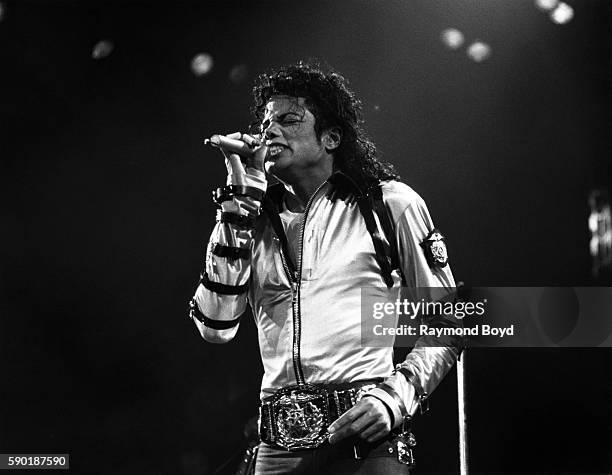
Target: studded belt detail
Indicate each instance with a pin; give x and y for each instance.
(297, 417)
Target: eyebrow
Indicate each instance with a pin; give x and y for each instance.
(266, 122)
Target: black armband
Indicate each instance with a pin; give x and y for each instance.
(231, 252)
(194, 312)
(391, 392)
(222, 289)
(239, 220)
(227, 192)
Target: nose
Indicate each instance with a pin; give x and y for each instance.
(272, 131)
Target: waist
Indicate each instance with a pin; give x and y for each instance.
(340, 363)
(297, 417)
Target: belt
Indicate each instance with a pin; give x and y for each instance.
(297, 417)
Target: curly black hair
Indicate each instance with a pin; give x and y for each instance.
(332, 104)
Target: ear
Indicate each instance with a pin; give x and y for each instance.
(332, 138)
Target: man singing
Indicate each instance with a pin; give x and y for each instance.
(335, 221)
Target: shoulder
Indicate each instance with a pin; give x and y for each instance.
(400, 198)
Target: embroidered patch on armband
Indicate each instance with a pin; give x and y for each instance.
(435, 249)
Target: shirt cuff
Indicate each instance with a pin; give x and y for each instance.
(405, 390)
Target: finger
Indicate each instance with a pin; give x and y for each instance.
(377, 435)
(355, 427)
(258, 158)
(250, 140)
(379, 427)
(346, 418)
(235, 135)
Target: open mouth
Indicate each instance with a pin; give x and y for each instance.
(274, 151)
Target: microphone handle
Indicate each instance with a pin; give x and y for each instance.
(230, 145)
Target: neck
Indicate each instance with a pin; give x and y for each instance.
(302, 190)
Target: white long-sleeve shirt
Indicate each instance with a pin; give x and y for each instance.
(320, 313)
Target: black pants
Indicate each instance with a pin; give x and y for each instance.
(378, 458)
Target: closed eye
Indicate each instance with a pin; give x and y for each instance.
(283, 119)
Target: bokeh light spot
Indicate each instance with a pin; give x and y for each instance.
(479, 51)
(562, 14)
(546, 5)
(202, 64)
(452, 38)
(238, 73)
(102, 49)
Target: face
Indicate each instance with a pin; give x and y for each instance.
(294, 150)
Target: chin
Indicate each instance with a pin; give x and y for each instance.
(275, 167)
(280, 173)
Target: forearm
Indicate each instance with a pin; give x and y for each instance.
(221, 296)
(219, 312)
(414, 380)
(426, 280)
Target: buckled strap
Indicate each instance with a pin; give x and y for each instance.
(242, 221)
(391, 392)
(386, 223)
(231, 252)
(223, 289)
(226, 193)
(368, 215)
(194, 312)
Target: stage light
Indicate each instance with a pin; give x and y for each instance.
(452, 38)
(202, 64)
(479, 51)
(600, 225)
(2, 11)
(102, 49)
(562, 14)
(546, 5)
(238, 73)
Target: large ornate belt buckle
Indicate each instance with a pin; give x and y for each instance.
(301, 416)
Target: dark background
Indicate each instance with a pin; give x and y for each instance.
(106, 211)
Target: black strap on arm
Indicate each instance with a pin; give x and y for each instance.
(384, 217)
(194, 312)
(227, 192)
(223, 289)
(239, 220)
(365, 207)
(391, 392)
(369, 199)
(231, 252)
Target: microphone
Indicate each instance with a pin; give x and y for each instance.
(233, 145)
